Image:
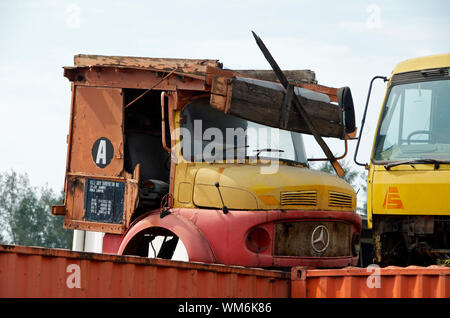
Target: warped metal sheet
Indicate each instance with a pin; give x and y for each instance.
(372, 282)
(40, 272)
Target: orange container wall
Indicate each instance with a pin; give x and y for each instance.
(388, 282)
(39, 272)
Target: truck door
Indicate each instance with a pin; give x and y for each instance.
(97, 138)
(98, 194)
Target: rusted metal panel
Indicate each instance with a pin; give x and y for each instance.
(97, 114)
(372, 282)
(96, 153)
(75, 206)
(74, 197)
(123, 77)
(58, 210)
(194, 66)
(39, 272)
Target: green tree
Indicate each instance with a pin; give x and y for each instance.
(353, 176)
(25, 217)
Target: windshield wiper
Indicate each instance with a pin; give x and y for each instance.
(267, 150)
(436, 163)
(235, 147)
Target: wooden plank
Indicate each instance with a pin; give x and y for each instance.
(293, 76)
(301, 78)
(330, 91)
(195, 66)
(263, 105)
(214, 72)
(218, 101)
(219, 85)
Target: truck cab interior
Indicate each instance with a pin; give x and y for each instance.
(143, 146)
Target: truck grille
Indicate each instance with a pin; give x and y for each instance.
(296, 238)
(298, 198)
(340, 200)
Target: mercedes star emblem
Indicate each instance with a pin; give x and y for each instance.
(320, 239)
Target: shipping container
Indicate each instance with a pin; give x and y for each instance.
(372, 282)
(40, 273)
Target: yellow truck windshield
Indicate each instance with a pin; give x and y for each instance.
(415, 122)
(212, 136)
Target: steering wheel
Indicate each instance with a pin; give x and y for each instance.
(419, 132)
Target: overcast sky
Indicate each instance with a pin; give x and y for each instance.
(345, 42)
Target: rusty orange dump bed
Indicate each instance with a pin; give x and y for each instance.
(40, 272)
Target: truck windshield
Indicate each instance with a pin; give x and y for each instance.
(415, 123)
(210, 135)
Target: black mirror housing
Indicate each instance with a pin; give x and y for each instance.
(345, 101)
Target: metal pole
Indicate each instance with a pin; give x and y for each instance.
(78, 241)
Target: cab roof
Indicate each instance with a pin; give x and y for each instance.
(423, 63)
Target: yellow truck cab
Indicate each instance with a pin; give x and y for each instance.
(408, 184)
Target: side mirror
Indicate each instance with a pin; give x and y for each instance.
(345, 101)
(365, 165)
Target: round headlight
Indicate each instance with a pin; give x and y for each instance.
(258, 240)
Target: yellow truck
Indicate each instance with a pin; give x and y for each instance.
(408, 185)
